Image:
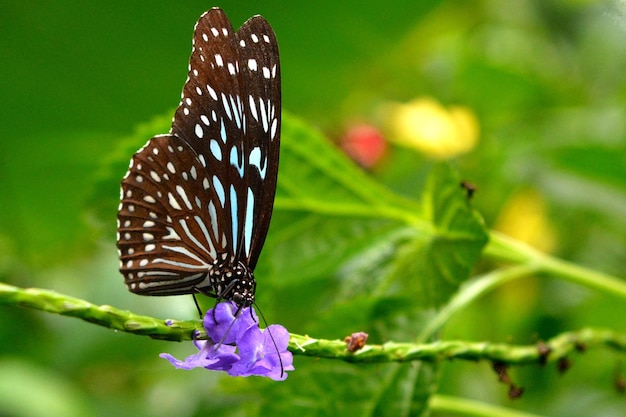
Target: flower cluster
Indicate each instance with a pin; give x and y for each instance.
(238, 346)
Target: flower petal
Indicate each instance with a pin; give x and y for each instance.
(222, 326)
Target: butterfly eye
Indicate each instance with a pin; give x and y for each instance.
(196, 203)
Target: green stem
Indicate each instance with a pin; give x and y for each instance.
(463, 407)
(504, 248)
(527, 261)
(470, 292)
(104, 315)
(586, 277)
(351, 210)
(552, 350)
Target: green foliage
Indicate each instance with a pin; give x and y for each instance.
(396, 259)
(330, 215)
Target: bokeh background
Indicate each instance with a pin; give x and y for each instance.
(530, 97)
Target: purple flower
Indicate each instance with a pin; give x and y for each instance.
(259, 355)
(236, 345)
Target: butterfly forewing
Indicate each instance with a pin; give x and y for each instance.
(206, 117)
(206, 190)
(258, 52)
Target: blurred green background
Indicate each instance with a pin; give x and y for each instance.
(544, 78)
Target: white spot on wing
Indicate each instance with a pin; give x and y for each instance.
(249, 221)
(274, 128)
(181, 192)
(172, 235)
(236, 113)
(223, 131)
(253, 108)
(234, 160)
(234, 204)
(211, 92)
(155, 176)
(263, 115)
(199, 131)
(226, 106)
(173, 203)
(191, 236)
(219, 189)
(216, 151)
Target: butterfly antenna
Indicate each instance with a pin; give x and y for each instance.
(267, 327)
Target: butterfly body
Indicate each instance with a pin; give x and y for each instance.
(196, 203)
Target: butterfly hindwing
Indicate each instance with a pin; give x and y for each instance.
(167, 236)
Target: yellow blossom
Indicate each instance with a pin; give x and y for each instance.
(427, 126)
(524, 217)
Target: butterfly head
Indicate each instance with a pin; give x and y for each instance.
(233, 280)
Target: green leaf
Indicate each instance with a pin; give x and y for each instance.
(315, 177)
(432, 266)
(407, 390)
(339, 389)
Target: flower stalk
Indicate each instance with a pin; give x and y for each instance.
(549, 351)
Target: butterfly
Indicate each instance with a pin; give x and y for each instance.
(196, 202)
